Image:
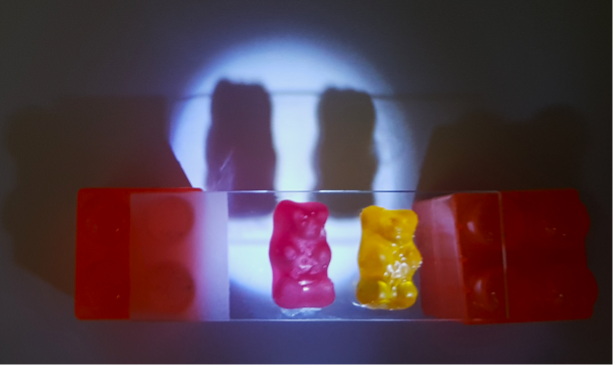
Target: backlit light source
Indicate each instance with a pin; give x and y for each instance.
(295, 72)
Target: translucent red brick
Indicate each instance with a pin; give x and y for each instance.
(511, 256)
(178, 256)
(102, 288)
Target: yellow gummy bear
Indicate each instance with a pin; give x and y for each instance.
(388, 258)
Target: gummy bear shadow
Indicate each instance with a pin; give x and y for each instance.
(484, 152)
(345, 157)
(239, 153)
(76, 143)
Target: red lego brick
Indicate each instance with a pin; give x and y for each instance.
(547, 276)
(102, 288)
(459, 237)
(179, 256)
(501, 257)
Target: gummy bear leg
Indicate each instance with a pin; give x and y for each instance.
(321, 293)
(406, 295)
(373, 292)
(289, 294)
(285, 293)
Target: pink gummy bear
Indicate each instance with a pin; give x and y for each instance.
(300, 256)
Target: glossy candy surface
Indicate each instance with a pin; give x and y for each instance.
(300, 255)
(387, 259)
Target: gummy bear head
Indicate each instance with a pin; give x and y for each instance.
(393, 225)
(305, 219)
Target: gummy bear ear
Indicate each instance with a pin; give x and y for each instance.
(410, 216)
(370, 215)
(298, 214)
(321, 216)
(321, 211)
(281, 211)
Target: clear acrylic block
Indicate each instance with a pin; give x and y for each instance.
(249, 235)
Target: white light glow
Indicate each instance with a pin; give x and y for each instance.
(295, 72)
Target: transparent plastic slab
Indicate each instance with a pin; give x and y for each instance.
(192, 255)
(250, 227)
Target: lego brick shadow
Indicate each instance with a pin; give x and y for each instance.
(345, 158)
(239, 152)
(483, 152)
(78, 142)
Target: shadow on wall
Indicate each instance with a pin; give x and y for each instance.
(239, 150)
(80, 142)
(345, 155)
(483, 152)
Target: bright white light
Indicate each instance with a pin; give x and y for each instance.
(288, 68)
(284, 66)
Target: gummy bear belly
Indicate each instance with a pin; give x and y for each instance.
(387, 258)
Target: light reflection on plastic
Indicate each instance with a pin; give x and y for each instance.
(288, 68)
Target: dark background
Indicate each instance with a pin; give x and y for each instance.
(82, 81)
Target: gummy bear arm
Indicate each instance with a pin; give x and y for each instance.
(370, 259)
(410, 252)
(278, 258)
(323, 248)
(322, 256)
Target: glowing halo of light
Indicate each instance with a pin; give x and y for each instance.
(295, 72)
